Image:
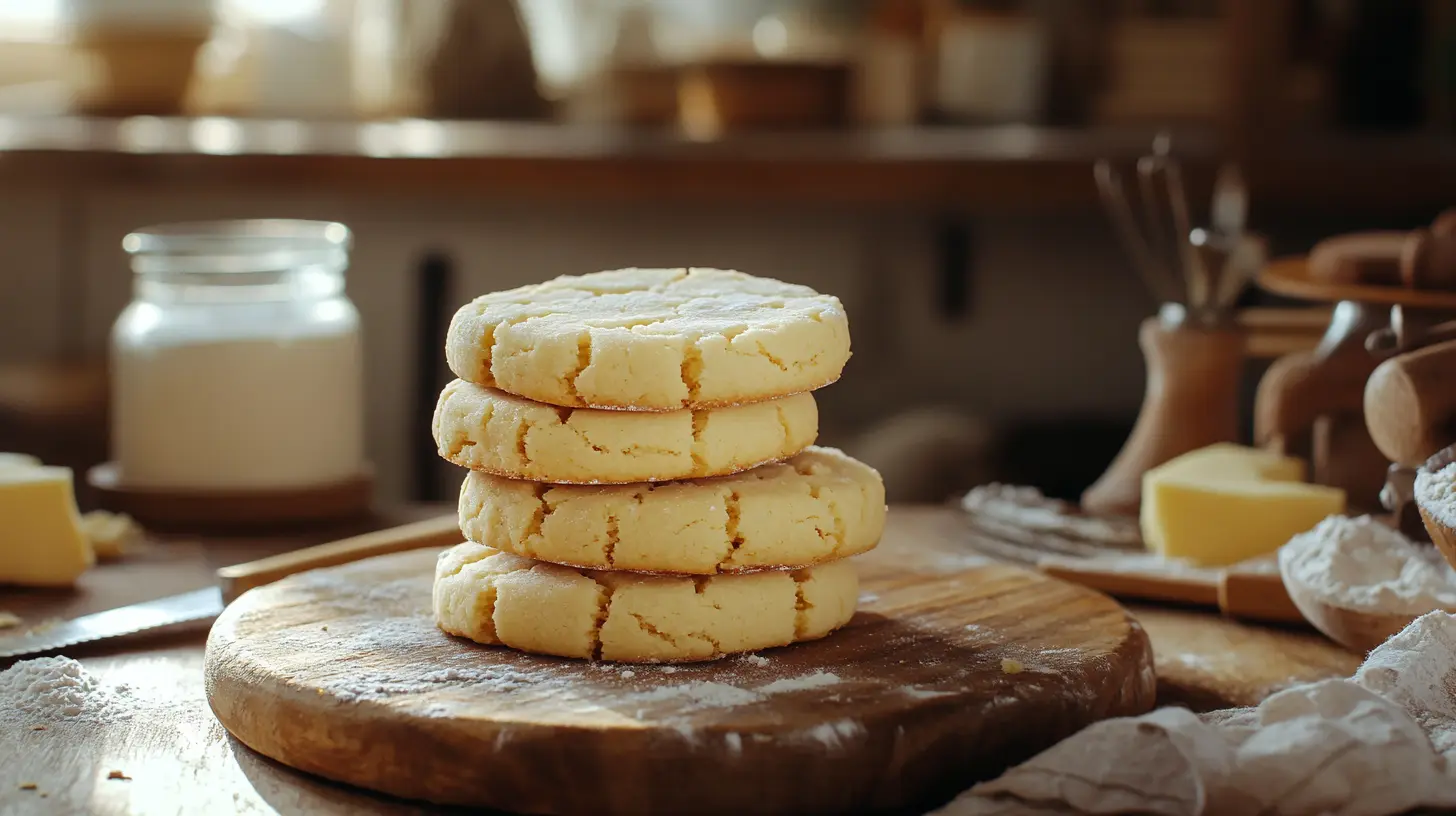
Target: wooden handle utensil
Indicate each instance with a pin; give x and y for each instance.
(1237, 593)
(441, 531)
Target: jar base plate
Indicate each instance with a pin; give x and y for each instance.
(231, 510)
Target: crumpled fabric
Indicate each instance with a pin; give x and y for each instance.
(1381, 742)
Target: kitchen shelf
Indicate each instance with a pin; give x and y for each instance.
(1000, 168)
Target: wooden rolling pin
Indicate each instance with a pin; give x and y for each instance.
(1410, 404)
(1191, 402)
(1311, 404)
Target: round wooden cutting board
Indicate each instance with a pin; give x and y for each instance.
(953, 669)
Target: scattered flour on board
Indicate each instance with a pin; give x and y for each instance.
(702, 694)
(353, 684)
(1362, 564)
(808, 681)
(835, 734)
(709, 694)
(52, 689)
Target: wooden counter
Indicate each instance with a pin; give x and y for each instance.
(179, 759)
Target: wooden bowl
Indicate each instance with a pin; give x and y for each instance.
(1355, 630)
(1291, 277)
(138, 73)
(1442, 534)
(732, 95)
(231, 511)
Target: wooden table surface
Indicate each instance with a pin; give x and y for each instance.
(180, 760)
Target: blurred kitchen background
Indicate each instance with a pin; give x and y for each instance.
(928, 161)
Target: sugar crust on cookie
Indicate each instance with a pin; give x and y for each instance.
(651, 339)
(498, 598)
(819, 506)
(489, 430)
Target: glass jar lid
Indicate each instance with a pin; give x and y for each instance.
(238, 253)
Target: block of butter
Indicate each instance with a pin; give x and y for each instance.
(41, 543)
(1227, 503)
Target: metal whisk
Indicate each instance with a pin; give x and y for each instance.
(1200, 272)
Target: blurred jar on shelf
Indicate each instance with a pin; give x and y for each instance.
(444, 59)
(706, 66)
(889, 67)
(282, 58)
(138, 55)
(238, 365)
(990, 62)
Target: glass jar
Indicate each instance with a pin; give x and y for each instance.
(238, 365)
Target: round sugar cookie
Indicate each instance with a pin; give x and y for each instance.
(651, 339)
(818, 506)
(492, 431)
(498, 598)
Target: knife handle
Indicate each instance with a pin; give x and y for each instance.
(441, 531)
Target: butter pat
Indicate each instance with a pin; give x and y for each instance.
(10, 461)
(41, 543)
(112, 535)
(1227, 503)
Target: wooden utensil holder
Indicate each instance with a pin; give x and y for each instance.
(1191, 401)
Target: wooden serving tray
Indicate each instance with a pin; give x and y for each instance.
(954, 669)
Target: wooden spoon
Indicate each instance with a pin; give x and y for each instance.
(1355, 630)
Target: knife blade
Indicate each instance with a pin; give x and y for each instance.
(199, 605)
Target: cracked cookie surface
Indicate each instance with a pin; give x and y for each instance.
(499, 598)
(818, 506)
(651, 339)
(489, 430)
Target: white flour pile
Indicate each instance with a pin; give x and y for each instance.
(1381, 742)
(53, 689)
(1436, 492)
(1364, 565)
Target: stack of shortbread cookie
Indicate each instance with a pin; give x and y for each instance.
(643, 484)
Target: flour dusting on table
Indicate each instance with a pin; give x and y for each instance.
(51, 689)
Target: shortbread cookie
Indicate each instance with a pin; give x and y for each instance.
(651, 339)
(818, 506)
(499, 598)
(500, 433)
